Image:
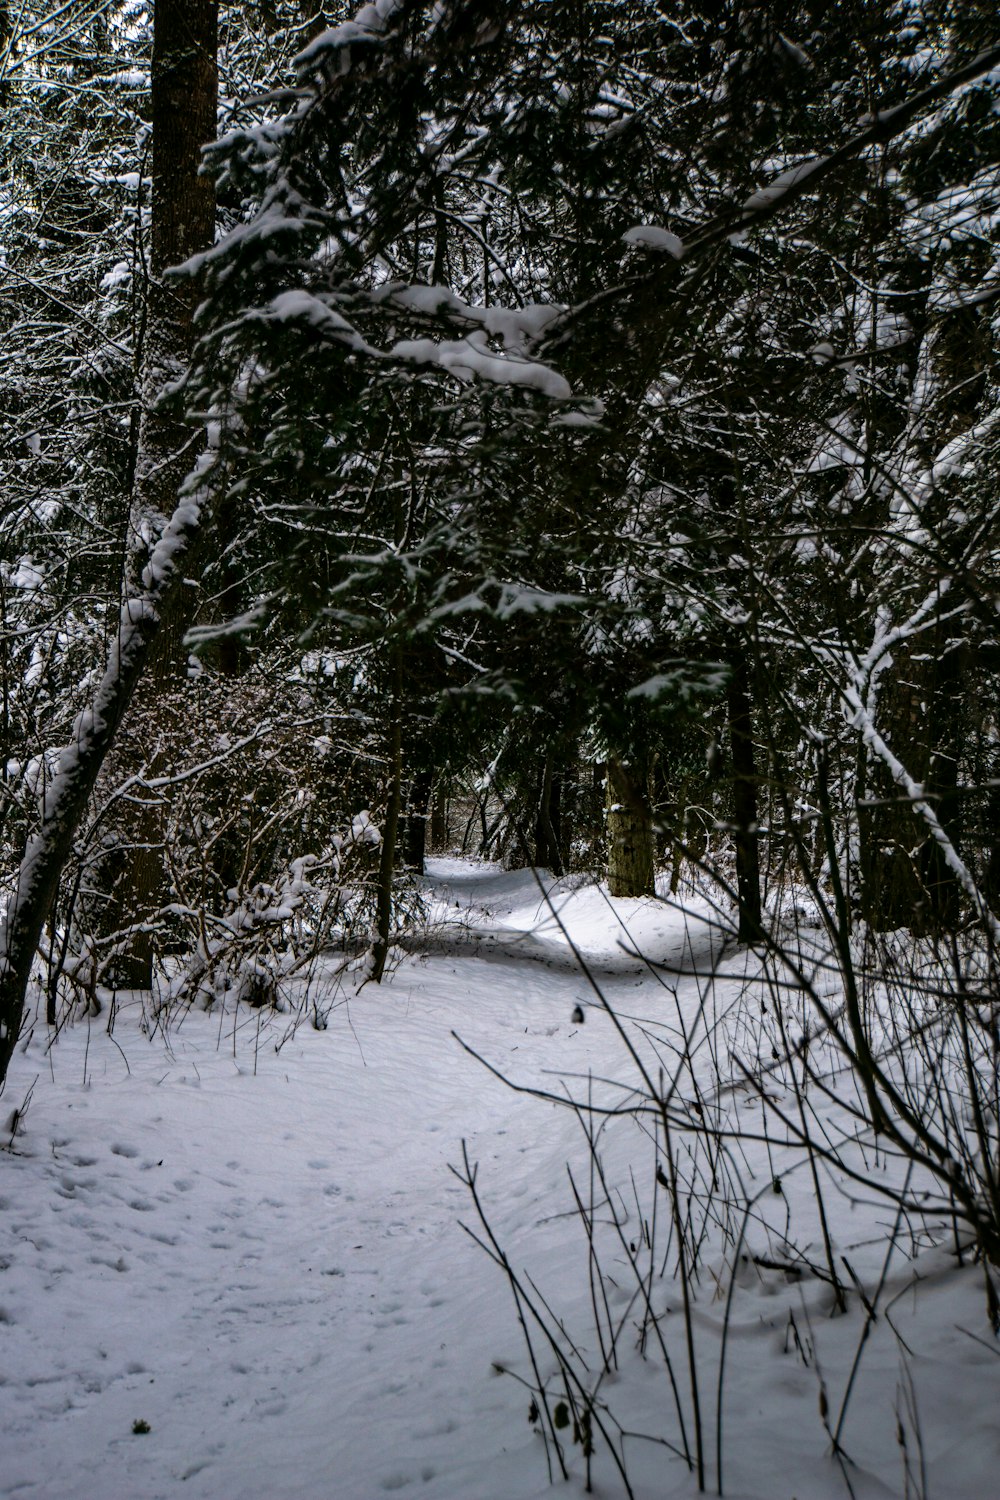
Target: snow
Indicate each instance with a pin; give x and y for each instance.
(366, 26)
(779, 187)
(172, 541)
(299, 306)
(653, 237)
(246, 1236)
(470, 358)
(519, 599)
(119, 275)
(515, 326)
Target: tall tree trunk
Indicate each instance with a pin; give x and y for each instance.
(183, 105)
(184, 101)
(548, 854)
(439, 816)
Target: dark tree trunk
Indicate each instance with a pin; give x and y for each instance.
(548, 853)
(184, 101)
(439, 817)
(744, 789)
(390, 821)
(415, 833)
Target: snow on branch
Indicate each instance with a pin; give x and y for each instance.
(772, 193)
(516, 327)
(879, 129)
(471, 357)
(653, 237)
(366, 28)
(774, 197)
(861, 720)
(859, 700)
(299, 306)
(80, 761)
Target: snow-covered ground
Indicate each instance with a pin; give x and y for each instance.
(247, 1239)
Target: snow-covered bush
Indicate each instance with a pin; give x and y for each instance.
(245, 811)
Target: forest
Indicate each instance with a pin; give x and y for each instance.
(516, 484)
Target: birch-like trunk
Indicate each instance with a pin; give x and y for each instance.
(69, 790)
(183, 107)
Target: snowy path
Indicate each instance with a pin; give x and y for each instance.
(266, 1267)
(267, 1270)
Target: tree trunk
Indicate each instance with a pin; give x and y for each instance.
(905, 879)
(548, 854)
(940, 883)
(70, 788)
(183, 106)
(415, 837)
(390, 822)
(745, 812)
(631, 867)
(439, 817)
(184, 101)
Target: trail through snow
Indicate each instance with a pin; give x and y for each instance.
(258, 1253)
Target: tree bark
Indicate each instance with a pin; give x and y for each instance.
(439, 817)
(548, 853)
(390, 822)
(418, 807)
(184, 103)
(745, 810)
(631, 865)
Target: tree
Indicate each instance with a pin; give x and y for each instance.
(182, 71)
(71, 147)
(499, 277)
(183, 105)
(535, 158)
